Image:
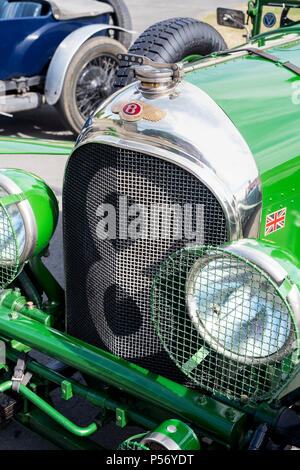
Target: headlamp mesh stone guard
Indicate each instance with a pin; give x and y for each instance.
(224, 323)
(9, 251)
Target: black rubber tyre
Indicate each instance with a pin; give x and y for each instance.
(171, 41)
(121, 17)
(89, 80)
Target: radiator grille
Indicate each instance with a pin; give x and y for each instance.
(108, 282)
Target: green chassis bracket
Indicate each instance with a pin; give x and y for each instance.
(66, 390)
(21, 146)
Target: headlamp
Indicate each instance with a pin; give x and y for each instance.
(28, 217)
(229, 317)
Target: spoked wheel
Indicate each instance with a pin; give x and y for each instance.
(95, 83)
(89, 80)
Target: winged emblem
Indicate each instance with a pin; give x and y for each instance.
(137, 110)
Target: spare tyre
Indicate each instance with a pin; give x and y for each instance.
(171, 41)
(121, 17)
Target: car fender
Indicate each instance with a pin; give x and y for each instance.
(64, 55)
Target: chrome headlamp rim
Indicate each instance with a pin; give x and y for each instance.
(289, 344)
(28, 218)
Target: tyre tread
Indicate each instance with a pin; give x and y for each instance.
(162, 42)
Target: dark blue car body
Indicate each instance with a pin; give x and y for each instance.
(27, 43)
(63, 53)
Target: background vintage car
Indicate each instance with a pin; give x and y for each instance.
(62, 53)
(253, 185)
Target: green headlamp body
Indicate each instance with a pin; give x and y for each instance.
(37, 205)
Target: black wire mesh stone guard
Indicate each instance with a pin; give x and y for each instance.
(224, 323)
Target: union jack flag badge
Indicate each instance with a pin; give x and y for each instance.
(275, 221)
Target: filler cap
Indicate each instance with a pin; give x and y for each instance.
(155, 78)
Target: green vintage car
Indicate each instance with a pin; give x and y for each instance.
(181, 226)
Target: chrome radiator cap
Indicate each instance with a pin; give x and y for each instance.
(155, 79)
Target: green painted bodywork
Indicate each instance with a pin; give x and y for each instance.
(20, 146)
(257, 95)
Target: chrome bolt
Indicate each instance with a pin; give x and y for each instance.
(171, 428)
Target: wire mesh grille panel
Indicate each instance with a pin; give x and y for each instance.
(108, 281)
(223, 322)
(9, 252)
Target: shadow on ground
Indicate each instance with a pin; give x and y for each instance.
(42, 123)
